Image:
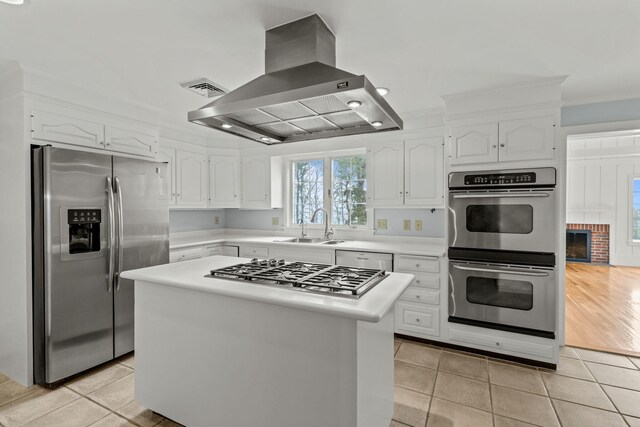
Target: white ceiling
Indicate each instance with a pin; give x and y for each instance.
(421, 49)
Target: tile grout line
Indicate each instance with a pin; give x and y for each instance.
(433, 391)
(553, 407)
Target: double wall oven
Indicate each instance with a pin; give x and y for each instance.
(502, 242)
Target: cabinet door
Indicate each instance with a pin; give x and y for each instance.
(53, 127)
(527, 139)
(191, 179)
(385, 174)
(256, 183)
(169, 155)
(423, 173)
(223, 181)
(130, 142)
(474, 144)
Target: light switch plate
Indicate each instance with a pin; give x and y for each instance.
(216, 220)
(406, 225)
(418, 225)
(275, 220)
(381, 224)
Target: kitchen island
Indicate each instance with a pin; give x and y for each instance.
(213, 351)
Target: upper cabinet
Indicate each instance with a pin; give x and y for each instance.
(224, 181)
(188, 171)
(47, 126)
(261, 178)
(504, 141)
(406, 173)
(67, 129)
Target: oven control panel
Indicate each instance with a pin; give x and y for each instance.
(508, 178)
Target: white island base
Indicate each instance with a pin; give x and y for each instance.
(205, 359)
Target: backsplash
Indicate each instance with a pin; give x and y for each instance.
(254, 219)
(432, 222)
(195, 220)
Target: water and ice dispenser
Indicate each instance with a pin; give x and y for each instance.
(84, 230)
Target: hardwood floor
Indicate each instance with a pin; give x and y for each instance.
(603, 308)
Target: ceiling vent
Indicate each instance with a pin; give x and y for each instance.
(205, 87)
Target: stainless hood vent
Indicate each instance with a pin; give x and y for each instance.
(302, 96)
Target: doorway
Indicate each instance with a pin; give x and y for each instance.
(602, 291)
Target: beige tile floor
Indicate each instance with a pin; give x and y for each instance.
(434, 387)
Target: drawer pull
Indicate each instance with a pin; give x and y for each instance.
(417, 281)
(498, 343)
(418, 319)
(417, 296)
(417, 265)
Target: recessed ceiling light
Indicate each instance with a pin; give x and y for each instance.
(382, 90)
(13, 1)
(354, 104)
(376, 123)
(264, 138)
(226, 126)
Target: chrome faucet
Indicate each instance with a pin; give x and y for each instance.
(327, 233)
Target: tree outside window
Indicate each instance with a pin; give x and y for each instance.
(346, 200)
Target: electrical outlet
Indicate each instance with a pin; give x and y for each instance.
(406, 225)
(418, 225)
(275, 220)
(382, 224)
(216, 220)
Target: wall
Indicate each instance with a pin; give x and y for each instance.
(599, 172)
(432, 222)
(601, 112)
(15, 228)
(254, 219)
(195, 220)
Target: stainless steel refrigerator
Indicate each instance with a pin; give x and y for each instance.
(94, 215)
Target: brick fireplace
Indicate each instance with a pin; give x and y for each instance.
(599, 240)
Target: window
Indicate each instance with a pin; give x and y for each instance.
(337, 184)
(635, 215)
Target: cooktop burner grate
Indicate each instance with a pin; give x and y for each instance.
(338, 280)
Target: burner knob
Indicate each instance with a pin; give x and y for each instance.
(273, 261)
(281, 262)
(255, 261)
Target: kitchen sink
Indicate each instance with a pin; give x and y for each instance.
(332, 242)
(302, 240)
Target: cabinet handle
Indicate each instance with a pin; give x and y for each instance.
(417, 320)
(406, 192)
(501, 145)
(417, 296)
(401, 192)
(495, 146)
(417, 281)
(498, 343)
(417, 265)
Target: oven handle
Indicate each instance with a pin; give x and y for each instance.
(491, 270)
(498, 195)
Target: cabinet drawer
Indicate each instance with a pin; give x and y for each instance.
(212, 250)
(254, 252)
(425, 280)
(417, 263)
(229, 250)
(185, 254)
(420, 295)
(522, 348)
(414, 319)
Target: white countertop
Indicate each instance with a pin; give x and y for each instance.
(409, 246)
(371, 307)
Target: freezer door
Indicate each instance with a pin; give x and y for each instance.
(142, 206)
(71, 286)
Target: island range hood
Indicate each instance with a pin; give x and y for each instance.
(302, 95)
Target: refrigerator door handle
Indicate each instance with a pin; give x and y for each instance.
(112, 235)
(120, 233)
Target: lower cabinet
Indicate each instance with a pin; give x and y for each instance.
(248, 251)
(418, 311)
(177, 255)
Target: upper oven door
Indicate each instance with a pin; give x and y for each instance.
(517, 220)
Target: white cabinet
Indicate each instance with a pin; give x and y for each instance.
(188, 172)
(385, 174)
(419, 308)
(47, 126)
(261, 178)
(177, 255)
(130, 141)
(474, 144)
(406, 173)
(224, 181)
(250, 251)
(504, 141)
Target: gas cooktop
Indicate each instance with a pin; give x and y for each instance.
(333, 280)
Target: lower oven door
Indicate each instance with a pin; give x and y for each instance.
(505, 297)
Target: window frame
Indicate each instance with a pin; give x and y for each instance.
(327, 158)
